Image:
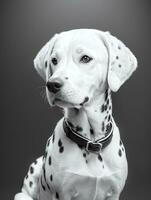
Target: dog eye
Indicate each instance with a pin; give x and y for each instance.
(54, 61)
(85, 59)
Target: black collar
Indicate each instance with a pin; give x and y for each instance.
(90, 146)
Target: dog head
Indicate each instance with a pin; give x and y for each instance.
(78, 65)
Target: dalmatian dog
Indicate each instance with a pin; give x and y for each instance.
(84, 158)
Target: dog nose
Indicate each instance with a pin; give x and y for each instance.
(54, 85)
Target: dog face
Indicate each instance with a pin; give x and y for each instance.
(77, 65)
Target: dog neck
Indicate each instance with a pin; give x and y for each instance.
(91, 120)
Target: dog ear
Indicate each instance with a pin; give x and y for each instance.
(122, 63)
(41, 61)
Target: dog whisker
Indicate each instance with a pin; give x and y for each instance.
(42, 87)
(43, 93)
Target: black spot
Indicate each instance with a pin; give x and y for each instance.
(57, 195)
(91, 131)
(66, 78)
(119, 47)
(109, 107)
(86, 161)
(84, 155)
(106, 117)
(100, 158)
(102, 108)
(109, 117)
(123, 149)
(48, 142)
(35, 162)
(49, 160)
(85, 100)
(43, 187)
(105, 107)
(106, 95)
(117, 57)
(51, 177)
(107, 101)
(79, 128)
(103, 126)
(31, 170)
(61, 149)
(48, 186)
(53, 137)
(120, 142)
(26, 176)
(60, 143)
(120, 65)
(120, 152)
(44, 171)
(30, 183)
(46, 64)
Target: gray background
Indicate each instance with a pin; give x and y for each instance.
(27, 120)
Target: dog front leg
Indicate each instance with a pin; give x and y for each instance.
(30, 189)
(22, 196)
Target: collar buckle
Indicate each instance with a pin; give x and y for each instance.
(90, 146)
(93, 147)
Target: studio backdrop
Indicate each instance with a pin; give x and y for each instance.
(26, 118)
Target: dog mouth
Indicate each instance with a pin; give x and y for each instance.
(65, 103)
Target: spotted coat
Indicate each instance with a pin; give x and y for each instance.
(50, 174)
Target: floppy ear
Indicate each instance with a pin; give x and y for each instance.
(122, 63)
(41, 61)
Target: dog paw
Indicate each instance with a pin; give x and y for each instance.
(22, 196)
